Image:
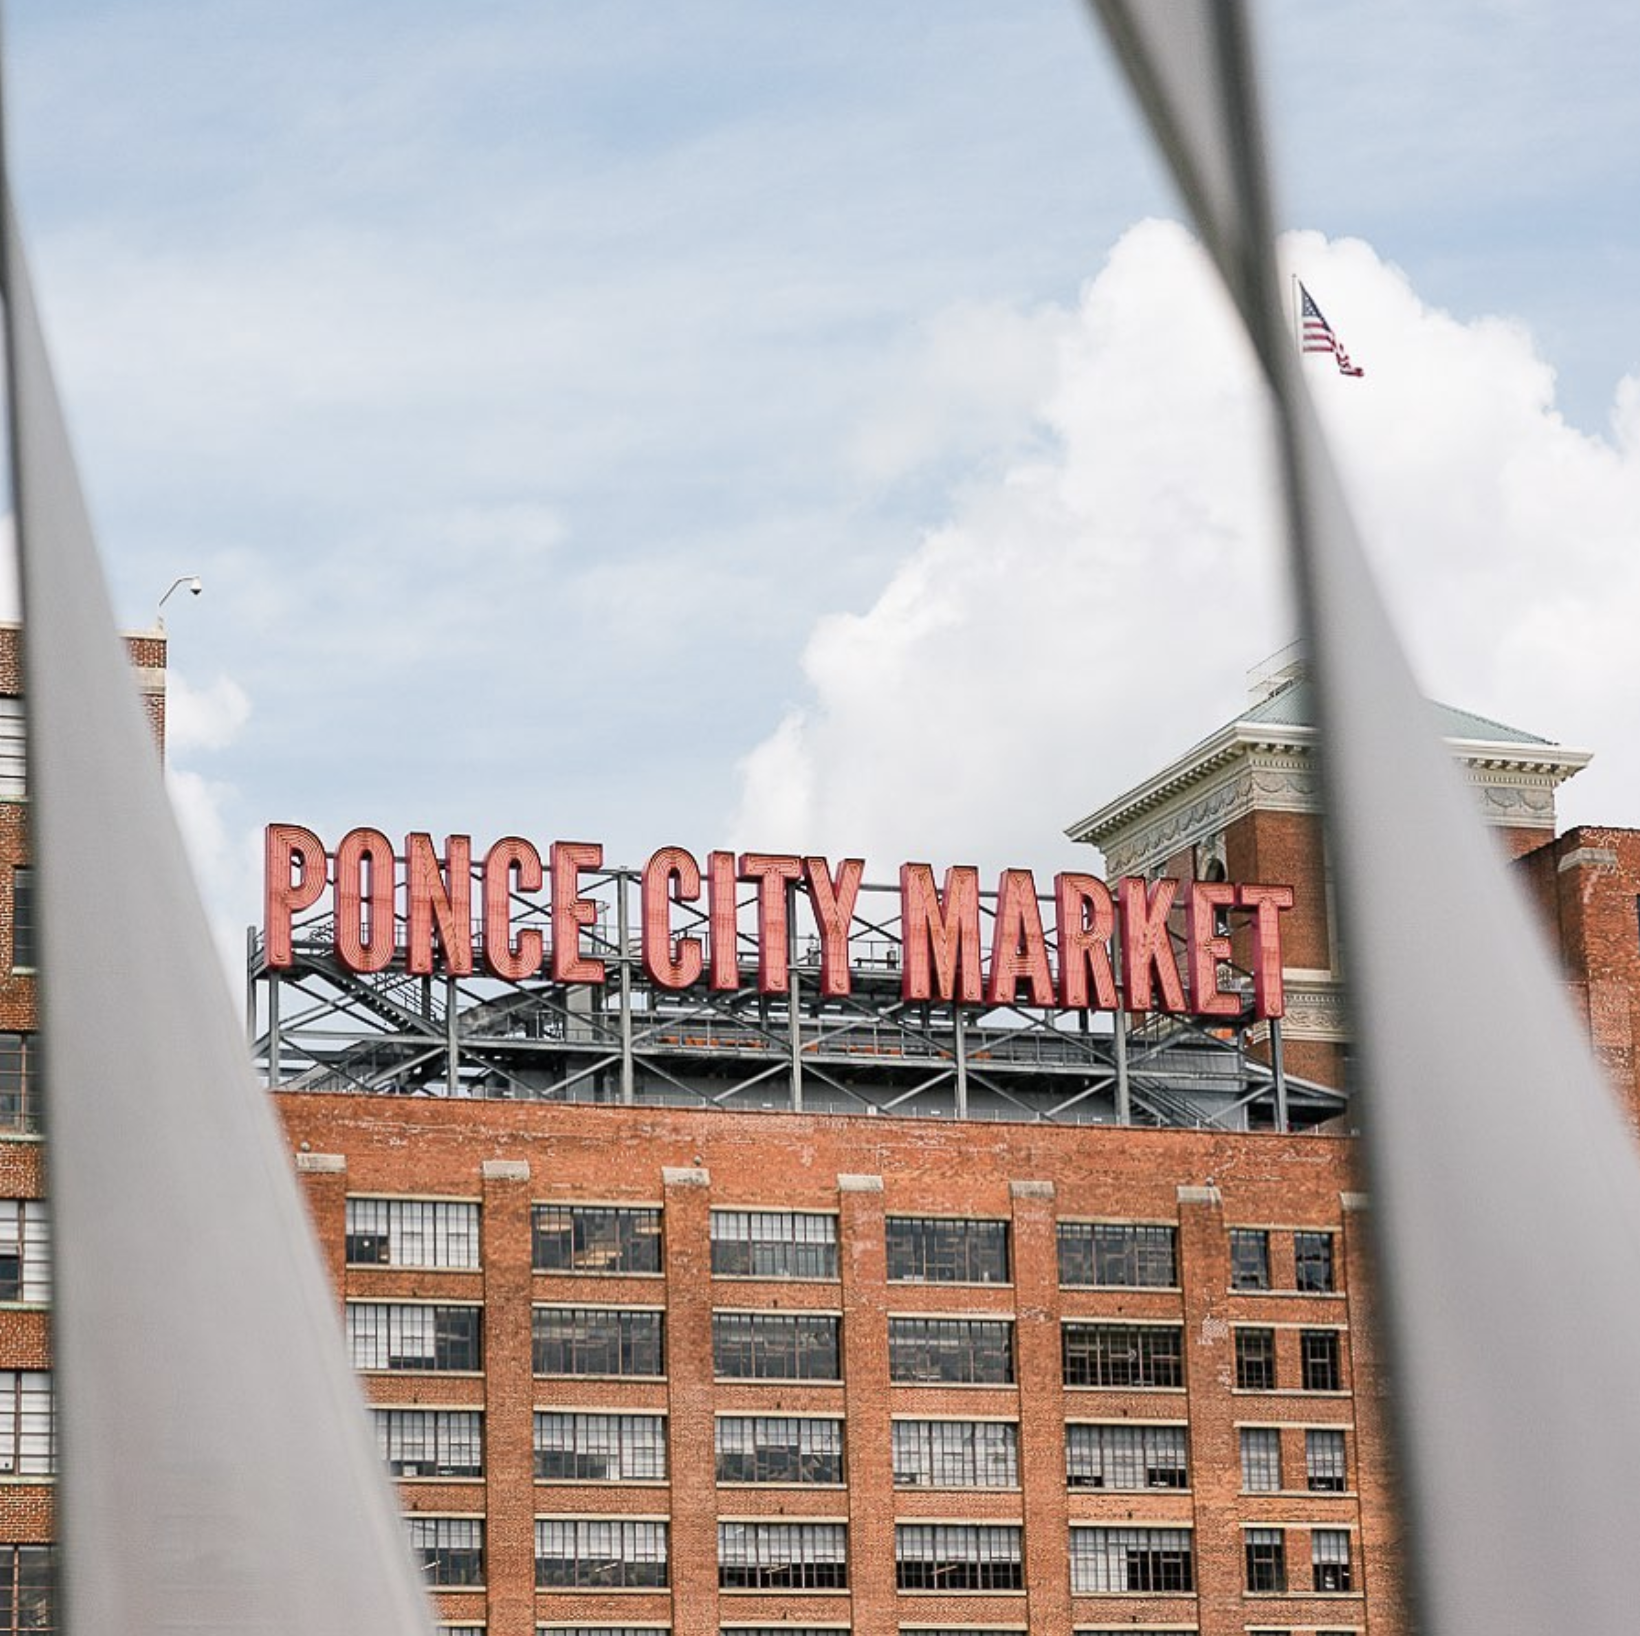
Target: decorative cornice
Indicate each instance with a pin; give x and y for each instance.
(1250, 767)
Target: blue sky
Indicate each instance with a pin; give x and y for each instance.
(564, 403)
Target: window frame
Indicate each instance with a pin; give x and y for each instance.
(940, 1445)
(594, 1569)
(765, 1455)
(1250, 1260)
(948, 1250)
(1130, 1248)
(1089, 1346)
(768, 1568)
(1112, 1459)
(771, 1247)
(606, 1434)
(944, 1337)
(628, 1349)
(639, 1238)
(760, 1351)
(981, 1570)
(1256, 1373)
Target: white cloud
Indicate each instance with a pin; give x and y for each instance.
(1087, 615)
(208, 718)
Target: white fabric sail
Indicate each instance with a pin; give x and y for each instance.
(218, 1472)
(1506, 1183)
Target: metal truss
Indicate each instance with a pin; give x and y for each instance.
(317, 1026)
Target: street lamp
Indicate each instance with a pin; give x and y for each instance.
(194, 584)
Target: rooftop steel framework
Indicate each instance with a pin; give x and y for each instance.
(318, 1026)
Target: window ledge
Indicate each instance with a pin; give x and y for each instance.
(646, 1380)
(603, 1482)
(784, 1590)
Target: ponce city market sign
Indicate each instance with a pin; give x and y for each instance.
(1099, 932)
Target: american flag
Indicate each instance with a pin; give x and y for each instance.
(1318, 336)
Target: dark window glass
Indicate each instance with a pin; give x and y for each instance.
(450, 1549)
(779, 1449)
(599, 1341)
(931, 1351)
(595, 1238)
(600, 1448)
(387, 1335)
(1123, 1354)
(1117, 1255)
(24, 955)
(1266, 1561)
(773, 1244)
(955, 1557)
(1318, 1351)
(1313, 1261)
(28, 1588)
(935, 1251)
(775, 1346)
(599, 1554)
(1126, 1457)
(782, 1556)
(1249, 1258)
(19, 1084)
(1256, 1360)
(1107, 1560)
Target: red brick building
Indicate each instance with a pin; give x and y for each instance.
(808, 1314)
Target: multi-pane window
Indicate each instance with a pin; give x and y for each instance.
(412, 1233)
(1266, 1553)
(1123, 1354)
(1249, 1258)
(28, 1589)
(1129, 1456)
(450, 1549)
(599, 1341)
(951, 1351)
(1324, 1468)
(395, 1335)
(773, 1244)
(1256, 1360)
(1318, 1356)
(958, 1557)
(782, 1556)
(1330, 1558)
(599, 1553)
(1261, 1459)
(779, 1449)
(776, 1346)
(595, 1238)
(24, 954)
(19, 1084)
(956, 1454)
(796, 1630)
(1117, 1255)
(1313, 1262)
(932, 1250)
(1105, 1561)
(600, 1448)
(612, 1630)
(25, 1250)
(431, 1442)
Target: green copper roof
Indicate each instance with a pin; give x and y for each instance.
(1293, 705)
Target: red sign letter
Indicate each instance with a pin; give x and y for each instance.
(1018, 948)
(1207, 946)
(511, 865)
(1086, 918)
(442, 900)
(665, 969)
(833, 903)
(358, 947)
(948, 932)
(1146, 947)
(571, 912)
(720, 905)
(771, 871)
(287, 845)
(1267, 903)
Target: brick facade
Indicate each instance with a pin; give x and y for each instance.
(863, 1171)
